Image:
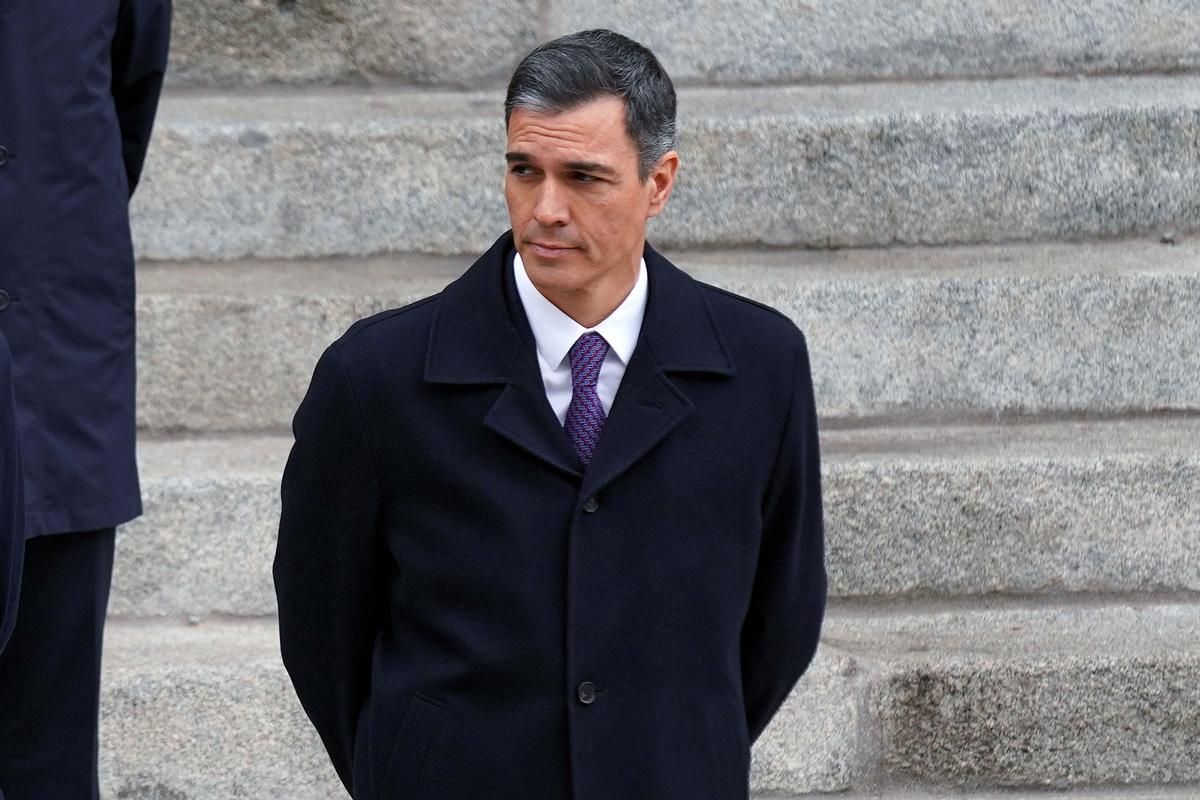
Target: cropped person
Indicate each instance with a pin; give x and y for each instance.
(556, 531)
(79, 88)
(12, 510)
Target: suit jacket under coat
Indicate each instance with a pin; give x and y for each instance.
(79, 86)
(449, 575)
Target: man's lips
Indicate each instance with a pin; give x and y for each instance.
(550, 250)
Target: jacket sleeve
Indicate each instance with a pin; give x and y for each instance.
(783, 622)
(139, 61)
(328, 561)
(12, 513)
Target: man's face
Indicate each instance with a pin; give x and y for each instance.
(576, 203)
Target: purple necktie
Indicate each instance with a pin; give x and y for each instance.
(585, 415)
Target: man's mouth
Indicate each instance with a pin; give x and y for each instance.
(550, 250)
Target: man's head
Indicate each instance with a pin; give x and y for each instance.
(591, 138)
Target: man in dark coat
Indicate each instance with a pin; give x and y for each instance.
(12, 509)
(79, 87)
(556, 531)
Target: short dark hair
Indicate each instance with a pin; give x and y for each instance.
(580, 67)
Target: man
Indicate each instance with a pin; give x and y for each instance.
(12, 511)
(556, 531)
(79, 86)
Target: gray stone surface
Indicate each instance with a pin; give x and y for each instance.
(1179, 792)
(253, 42)
(1012, 330)
(249, 42)
(1035, 697)
(1014, 509)
(898, 697)
(353, 173)
(207, 539)
(756, 41)
(218, 361)
(947, 512)
(823, 738)
(1008, 330)
(205, 713)
(456, 42)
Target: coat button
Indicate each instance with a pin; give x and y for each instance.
(587, 693)
(590, 505)
(5, 154)
(4, 299)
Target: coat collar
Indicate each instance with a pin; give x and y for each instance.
(480, 336)
(480, 330)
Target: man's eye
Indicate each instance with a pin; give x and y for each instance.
(521, 169)
(583, 177)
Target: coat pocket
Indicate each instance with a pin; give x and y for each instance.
(406, 766)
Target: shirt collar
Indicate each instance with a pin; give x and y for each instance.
(554, 332)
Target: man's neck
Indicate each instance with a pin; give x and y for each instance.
(589, 307)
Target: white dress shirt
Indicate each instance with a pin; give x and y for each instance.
(555, 333)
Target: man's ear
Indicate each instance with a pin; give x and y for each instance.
(662, 181)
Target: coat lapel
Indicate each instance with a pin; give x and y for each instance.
(523, 416)
(648, 406)
(480, 336)
(678, 337)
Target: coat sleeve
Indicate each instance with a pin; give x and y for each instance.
(139, 61)
(328, 561)
(783, 622)
(12, 513)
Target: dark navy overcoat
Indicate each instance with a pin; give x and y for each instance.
(12, 511)
(79, 85)
(468, 614)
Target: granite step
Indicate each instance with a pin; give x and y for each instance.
(219, 43)
(1032, 696)
(1137, 793)
(1038, 509)
(988, 330)
(205, 712)
(287, 174)
(934, 700)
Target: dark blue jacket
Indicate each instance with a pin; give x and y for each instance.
(466, 613)
(12, 511)
(79, 85)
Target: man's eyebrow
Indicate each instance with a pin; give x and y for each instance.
(589, 166)
(517, 157)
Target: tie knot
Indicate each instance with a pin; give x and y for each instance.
(587, 354)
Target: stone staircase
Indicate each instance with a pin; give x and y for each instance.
(985, 220)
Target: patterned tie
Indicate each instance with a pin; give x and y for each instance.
(585, 415)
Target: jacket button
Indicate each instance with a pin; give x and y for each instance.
(587, 693)
(590, 505)
(5, 154)
(4, 299)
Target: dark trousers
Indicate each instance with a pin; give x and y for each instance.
(50, 670)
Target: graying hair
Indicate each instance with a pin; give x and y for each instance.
(575, 69)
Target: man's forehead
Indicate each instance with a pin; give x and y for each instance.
(598, 125)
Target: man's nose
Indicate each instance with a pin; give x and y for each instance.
(551, 207)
